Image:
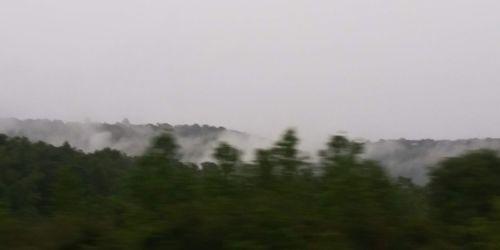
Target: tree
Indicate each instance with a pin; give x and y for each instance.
(358, 196)
(265, 167)
(465, 187)
(464, 193)
(227, 157)
(340, 151)
(285, 153)
(164, 147)
(157, 180)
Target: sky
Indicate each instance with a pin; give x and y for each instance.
(375, 69)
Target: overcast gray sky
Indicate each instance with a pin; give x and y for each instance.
(377, 69)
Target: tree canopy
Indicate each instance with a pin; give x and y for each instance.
(61, 198)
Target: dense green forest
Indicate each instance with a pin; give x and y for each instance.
(61, 198)
(400, 157)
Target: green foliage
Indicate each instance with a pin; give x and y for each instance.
(227, 157)
(464, 192)
(60, 198)
(464, 187)
(285, 153)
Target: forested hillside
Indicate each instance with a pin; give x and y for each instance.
(412, 158)
(62, 198)
(196, 141)
(406, 158)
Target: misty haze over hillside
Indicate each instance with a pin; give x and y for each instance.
(407, 158)
(196, 142)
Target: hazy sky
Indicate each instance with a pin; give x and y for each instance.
(387, 68)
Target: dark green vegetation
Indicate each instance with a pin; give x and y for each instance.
(60, 198)
(406, 158)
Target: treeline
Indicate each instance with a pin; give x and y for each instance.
(61, 198)
(132, 139)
